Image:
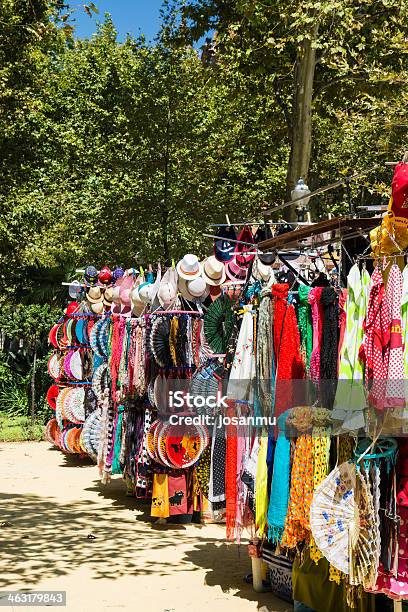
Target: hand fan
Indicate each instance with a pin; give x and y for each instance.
(338, 519)
(159, 341)
(218, 324)
(52, 395)
(75, 365)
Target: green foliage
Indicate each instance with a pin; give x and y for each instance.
(19, 429)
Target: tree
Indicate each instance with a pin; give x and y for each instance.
(316, 54)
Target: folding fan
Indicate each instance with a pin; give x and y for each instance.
(341, 520)
(218, 324)
(205, 382)
(159, 341)
(100, 380)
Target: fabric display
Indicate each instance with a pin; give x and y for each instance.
(299, 450)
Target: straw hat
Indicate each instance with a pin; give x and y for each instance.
(94, 295)
(213, 271)
(97, 308)
(108, 297)
(193, 290)
(189, 267)
(138, 305)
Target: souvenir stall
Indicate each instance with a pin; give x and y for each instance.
(301, 450)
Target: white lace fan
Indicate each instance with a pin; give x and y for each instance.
(340, 521)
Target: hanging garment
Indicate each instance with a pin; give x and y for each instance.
(242, 373)
(404, 318)
(395, 391)
(216, 489)
(342, 322)
(304, 313)
(289, 365)
(177, 493)
(329, 350)
(231, 473)
(317, 318)
(264, 356)
(279, 497)
(261, 487)
(375, 347)
(350, 395)
(160, 496)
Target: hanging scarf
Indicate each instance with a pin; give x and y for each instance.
(116, 466)
(329, 347)
(265, 357)
(317, 318)
(160, 496)
(261, 487)
(216, 489)
(231, 474)
(395, 392)
(279, 498)
(304, 313)
(289, 364)
(374, 350)
(297, 524)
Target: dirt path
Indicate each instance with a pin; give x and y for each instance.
(52, 503)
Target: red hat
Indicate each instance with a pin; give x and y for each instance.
(52, 395)
(105, 276)
(400, 190)
(71, 308)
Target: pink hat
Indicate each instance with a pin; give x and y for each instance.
(235, 271)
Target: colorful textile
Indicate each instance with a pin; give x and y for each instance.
(304, 313)
(395, 391)
(289, 364)
(328, 349)
(279, 497)
(317, 318)
(231, 476)
(242, 371)
(261, 487)
(297, 524)
(160, 496)
(376, 340)
(177, 493)
(404, 317)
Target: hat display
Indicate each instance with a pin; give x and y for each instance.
(234, 271)
(223, 248)
(138, 305)
(213, 271)
(189, 267)
(97, 308)
(108, 297)
(167, 293)
(243, 251)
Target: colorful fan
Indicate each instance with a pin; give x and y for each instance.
(342, 522)
(52, 395)
(218, 324)
(54, 368)
(159, 341)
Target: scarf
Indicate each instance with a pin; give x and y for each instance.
(304, 313)
(297, 524)
(265, 357)
(231, 457)
(395, 393)
(329, 350)
(279, 498)
(289, 364)
(261, 487)
(317, 317)
(116, 467)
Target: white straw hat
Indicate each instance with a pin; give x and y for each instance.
(167, 293)
(189, 267)
(196, 289)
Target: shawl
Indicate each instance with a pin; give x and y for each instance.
(297, 526)
(242, 370)
(317, 316)
(279, 498)
(231, 456)
(328, 351)
(286, 339)
(116, 467)
(265, 356)
(261, 487)
(404, 318)
(374, 350)
(342, 322)
(160, 496)
(395, 393)
(304, 313)
(216, 489)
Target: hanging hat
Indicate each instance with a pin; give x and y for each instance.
(267, 258)
(91, 275)
(105, 276)
(167, 293)
(52, 395)
(215, 292)
(153, 288)
(116, 294)
(244, 245)
(125, 289)
(263, 233)
(94, 295)
(97, 308)
(196, 289)
(218, 324)
(145, 292)
(75, 289)
(260, 271)
(235, 272)
(108, 297)
(223, 249)
(189, 267)
(138, 304)
(213, 271)
(117, 274)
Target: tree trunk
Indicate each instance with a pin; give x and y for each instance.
(33, 410)
(301, 125)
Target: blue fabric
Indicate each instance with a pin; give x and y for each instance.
(279, 499)
(116, 467)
